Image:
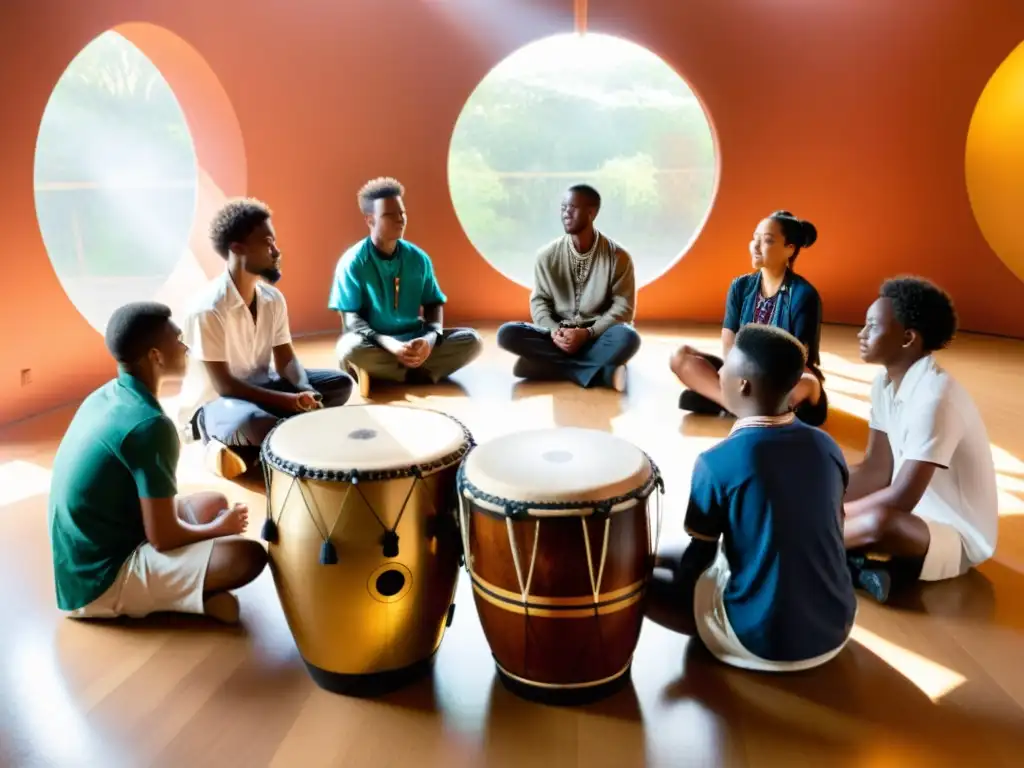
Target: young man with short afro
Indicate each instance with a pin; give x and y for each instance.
(923, 503)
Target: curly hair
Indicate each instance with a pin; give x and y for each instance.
(775, 357)
(235, 221)
(922, 306)
(380, 188)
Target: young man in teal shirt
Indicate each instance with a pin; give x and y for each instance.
(124, 543)
(380, 286)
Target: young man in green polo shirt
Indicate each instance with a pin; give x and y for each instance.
(380, 286)
(124, 543)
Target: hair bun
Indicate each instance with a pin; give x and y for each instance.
(810, 233)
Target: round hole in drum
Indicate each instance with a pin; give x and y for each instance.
(557, 457)
(362, 434)
(390, 583)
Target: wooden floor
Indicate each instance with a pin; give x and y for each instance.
(937, 680)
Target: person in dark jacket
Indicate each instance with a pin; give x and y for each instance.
(771, 295)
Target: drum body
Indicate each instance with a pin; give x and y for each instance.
(362, 539)
(559, 546)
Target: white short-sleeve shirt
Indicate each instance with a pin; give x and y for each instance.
(220, 328)
(932, 418)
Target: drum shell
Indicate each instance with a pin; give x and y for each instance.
(340, 621)
(564, 638)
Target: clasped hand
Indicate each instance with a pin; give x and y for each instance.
(569, 340)
(307, 400)
(414, 353)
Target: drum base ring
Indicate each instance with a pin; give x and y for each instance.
(567, 696)
(373, 684)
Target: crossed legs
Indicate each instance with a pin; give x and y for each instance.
(242, 426)
(593, 364)
(456, 348)
(234, 561)
(698, 372)
(888, 549)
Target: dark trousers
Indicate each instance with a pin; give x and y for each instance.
(813, 415)
(241, 424)
(593, 364)
(456, 348)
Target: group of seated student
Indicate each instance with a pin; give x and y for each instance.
(782, 531)
(244, 375)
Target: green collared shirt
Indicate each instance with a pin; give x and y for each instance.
(119, 447)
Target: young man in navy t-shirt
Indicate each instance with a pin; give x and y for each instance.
(764, 581)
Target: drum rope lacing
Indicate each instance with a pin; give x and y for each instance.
(297, 471)
(655, 485)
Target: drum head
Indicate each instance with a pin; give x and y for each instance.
(366, 438)
(557, 465)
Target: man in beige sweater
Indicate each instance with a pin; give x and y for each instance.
(583, 303)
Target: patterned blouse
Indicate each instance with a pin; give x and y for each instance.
(763, 309)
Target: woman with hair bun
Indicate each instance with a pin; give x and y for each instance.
(773, 294)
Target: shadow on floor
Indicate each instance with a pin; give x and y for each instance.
(854, 702)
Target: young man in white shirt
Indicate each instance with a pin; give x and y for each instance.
(237, 328)
(923, 503)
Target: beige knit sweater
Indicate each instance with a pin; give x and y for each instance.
(607, 298)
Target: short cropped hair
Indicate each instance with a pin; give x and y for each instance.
(588, 192)
(235, 221)
(134, 329)
(922, 306)
(775, 358)
(381, 188)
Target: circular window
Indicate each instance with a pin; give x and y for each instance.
(589, 109)
(995, 161)
(116, 182)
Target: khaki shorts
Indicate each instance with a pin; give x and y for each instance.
(717, 633)
(151, 581)
(946, 557)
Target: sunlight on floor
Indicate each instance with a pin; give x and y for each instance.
(48, 715)
(20, 480)
(934, 680)
(833, 364)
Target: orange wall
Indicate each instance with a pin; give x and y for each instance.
(853, 113)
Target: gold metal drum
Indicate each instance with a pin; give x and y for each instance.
(362, 539)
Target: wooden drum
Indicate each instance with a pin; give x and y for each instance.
(559, 546)
(362, 539)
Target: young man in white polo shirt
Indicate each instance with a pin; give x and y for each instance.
(922, 504)
(236, 329)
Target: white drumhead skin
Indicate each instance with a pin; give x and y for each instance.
(366, 438)
(557, 465)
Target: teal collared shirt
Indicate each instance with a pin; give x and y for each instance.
(120, 447)
(386, 292)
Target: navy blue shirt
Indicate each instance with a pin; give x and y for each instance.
(775, 496)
